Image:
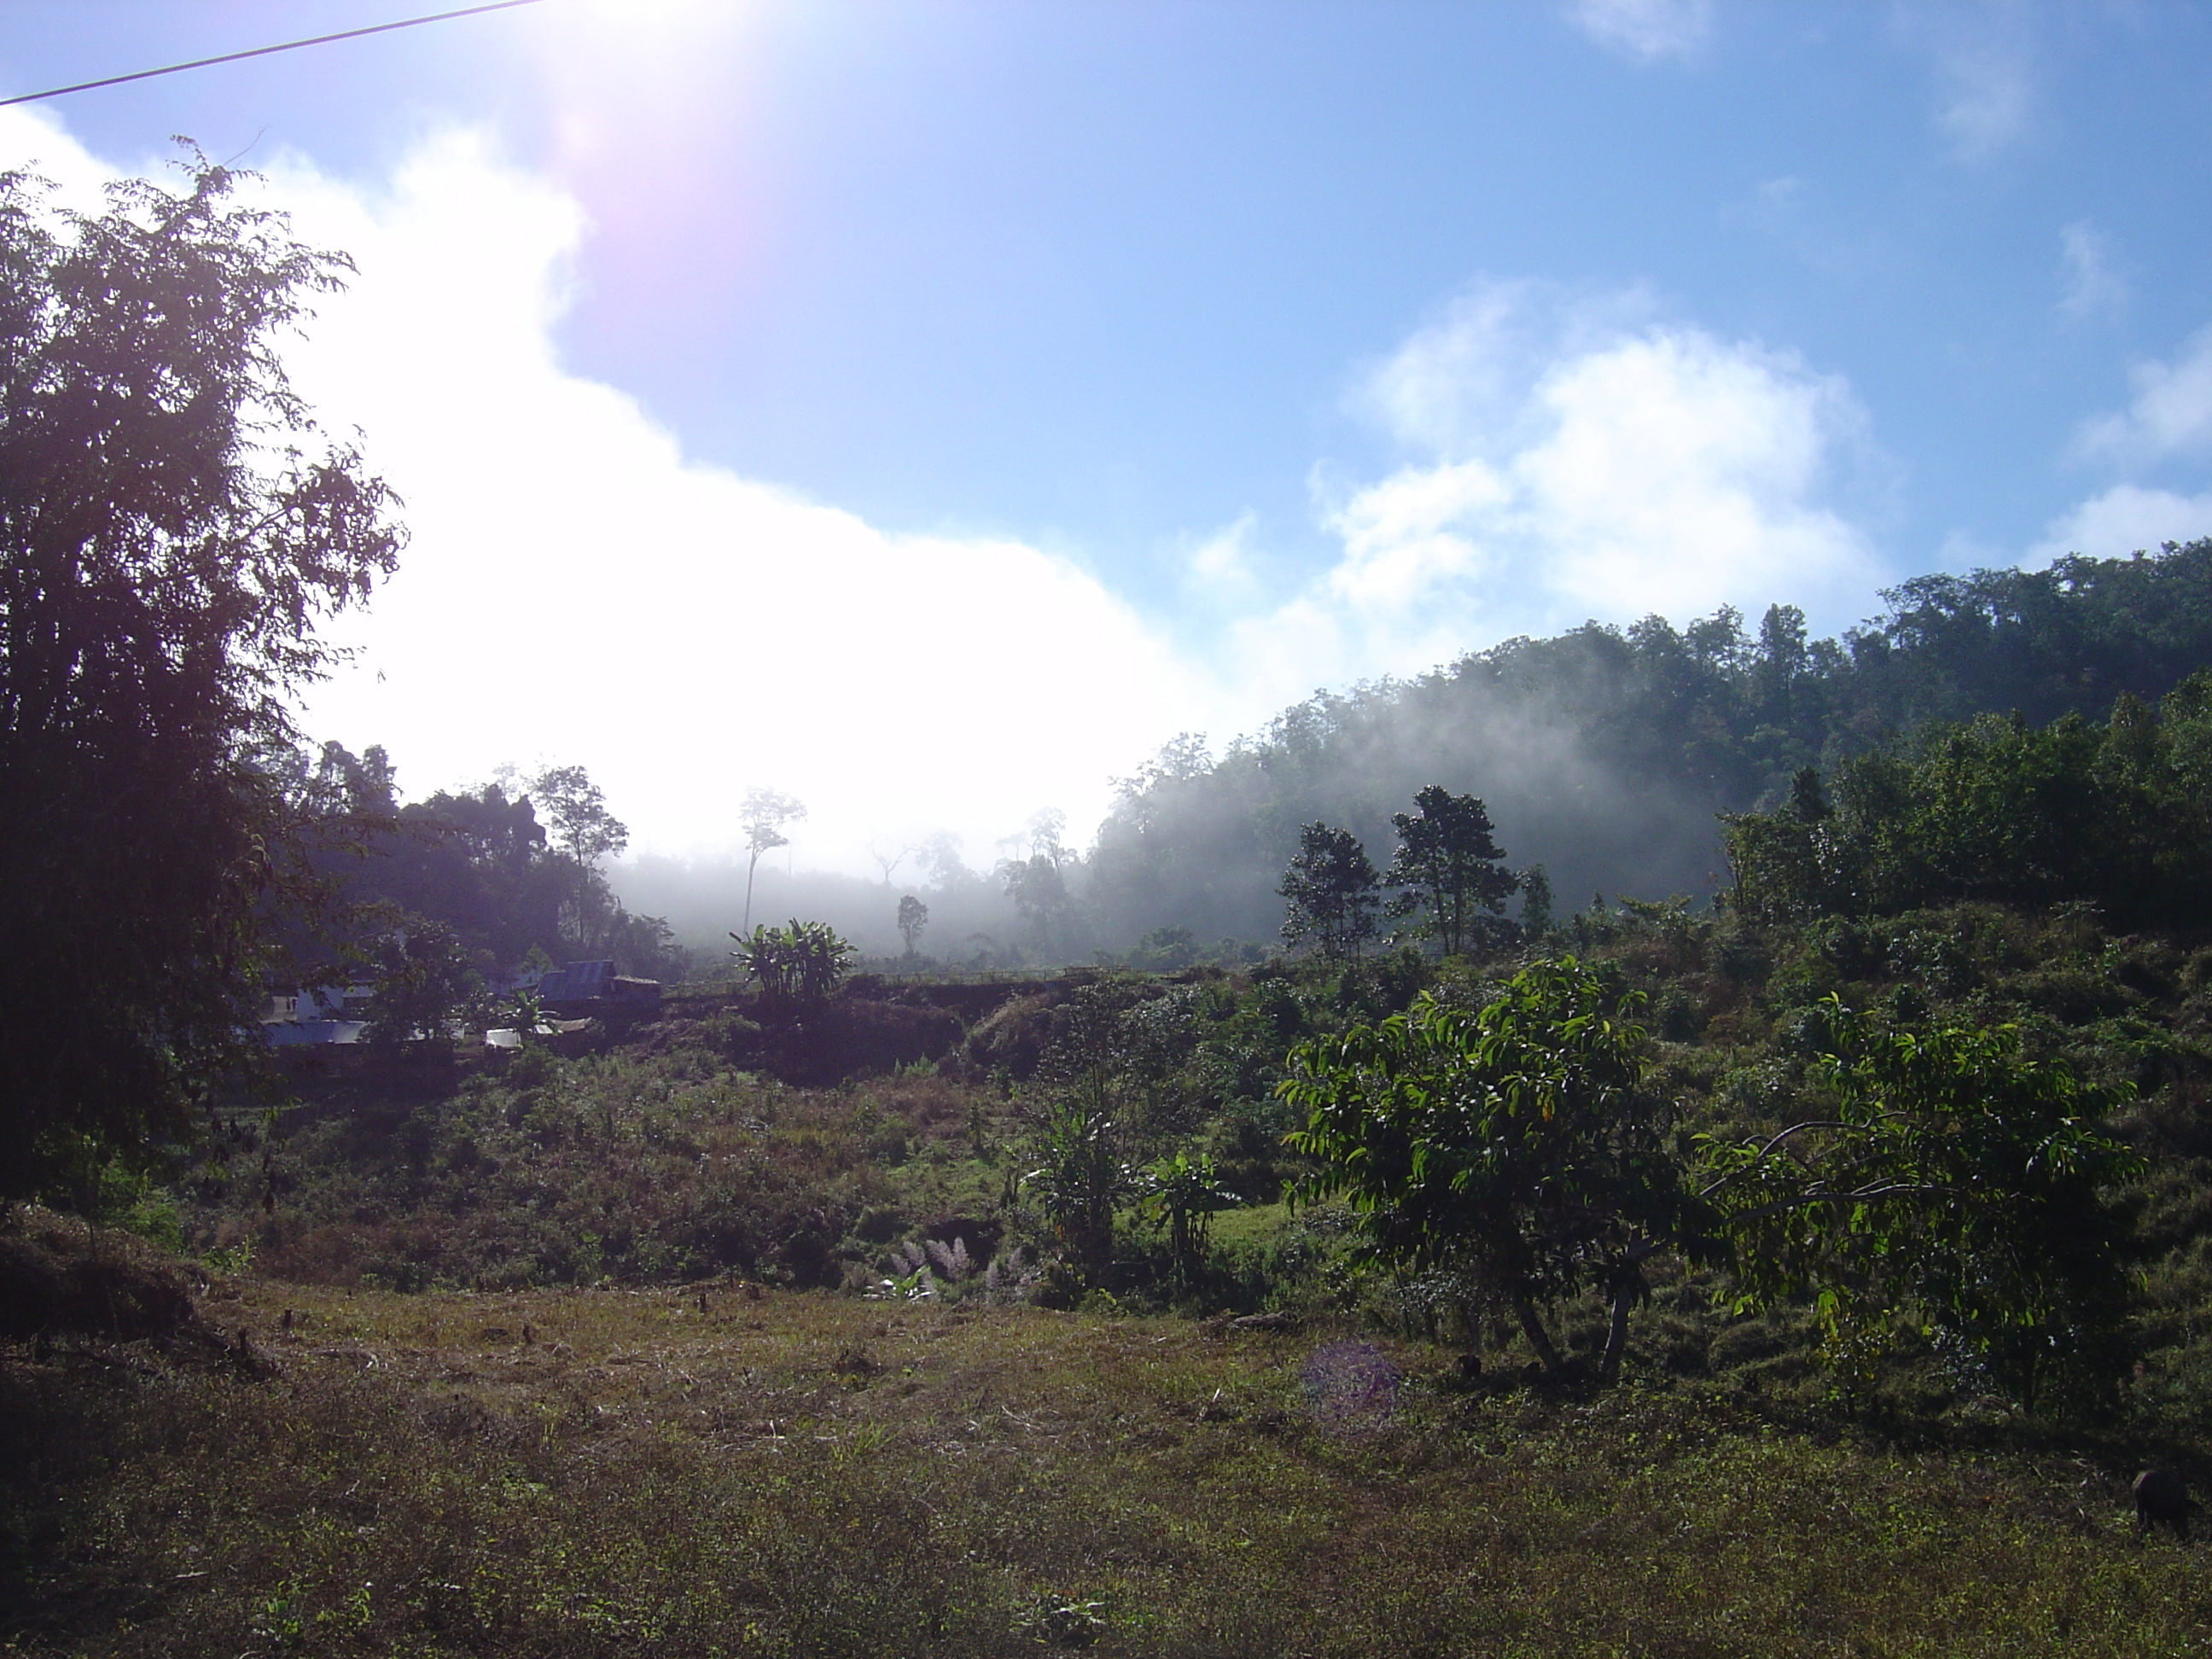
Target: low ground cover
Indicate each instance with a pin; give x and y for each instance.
(593, 1351)
(736, 1470)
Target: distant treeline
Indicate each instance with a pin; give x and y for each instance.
(497, 878)
(2115, 814)
(1608, 756)
(1605, 754)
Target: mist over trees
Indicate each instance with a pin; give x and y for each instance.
(1604, 757)
(968, 919)
(1603, 760)
(1606, 753)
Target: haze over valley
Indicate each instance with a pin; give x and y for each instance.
(941, 524)
(1266, 827)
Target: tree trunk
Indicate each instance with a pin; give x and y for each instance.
(1616, 1336)
(1627, 1288)
(1533, 1329)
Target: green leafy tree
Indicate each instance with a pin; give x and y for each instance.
(1536, 903)
(1040, 894)
(1038, 884)
(423, 984)
(1516, 1146)
(939, 855)
(583, 832)
(1165, 949)
(1090, 1075)
(172, 531)
(576, 810)
(1079, 1176)
(912, 917)
(1998, 810)
(764, 815)
(1331, 890)
(524, 1013)
(1958, 1189)
(1449, 864)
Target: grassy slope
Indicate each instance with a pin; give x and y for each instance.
(806, 1474)
(815, 1473)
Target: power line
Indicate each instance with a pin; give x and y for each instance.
(262, 52)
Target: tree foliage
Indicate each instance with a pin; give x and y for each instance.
(577, 810)
(1332, 892)
(912, 917)
(1080, 1175)
(1449, 862)
(481, 863)
(1181, 1191)
(1958, 1189)
(173, 528)
(1040, 892)
(764, 813)
(1093, 1069)
(1517, 1145)
(801, 962)
(422, 983)
(2118, 813)
(1610, 749)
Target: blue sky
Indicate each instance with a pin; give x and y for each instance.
(1067, 375)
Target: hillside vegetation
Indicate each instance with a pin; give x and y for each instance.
(1807, 1271)
(972, 1312)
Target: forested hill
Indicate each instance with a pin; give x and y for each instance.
(1604, 754)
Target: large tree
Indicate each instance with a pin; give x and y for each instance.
(1448, 863)
(173, 528)
(1329, 890)
(764, 814)
(1956, 1188)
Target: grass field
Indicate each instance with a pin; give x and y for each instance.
(741, 1471)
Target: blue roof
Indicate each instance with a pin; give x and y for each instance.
(580, 982)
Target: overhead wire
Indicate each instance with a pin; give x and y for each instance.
(263, 51)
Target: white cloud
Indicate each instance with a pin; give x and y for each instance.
(2125, 519)
(2170, 414)
(577, 589)
(1403, 537)
(1648, 29)
(1221, 566)
(1985, 72)
(1462, 379)
(2091, 285)
(1609, 471)
(33, 140)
